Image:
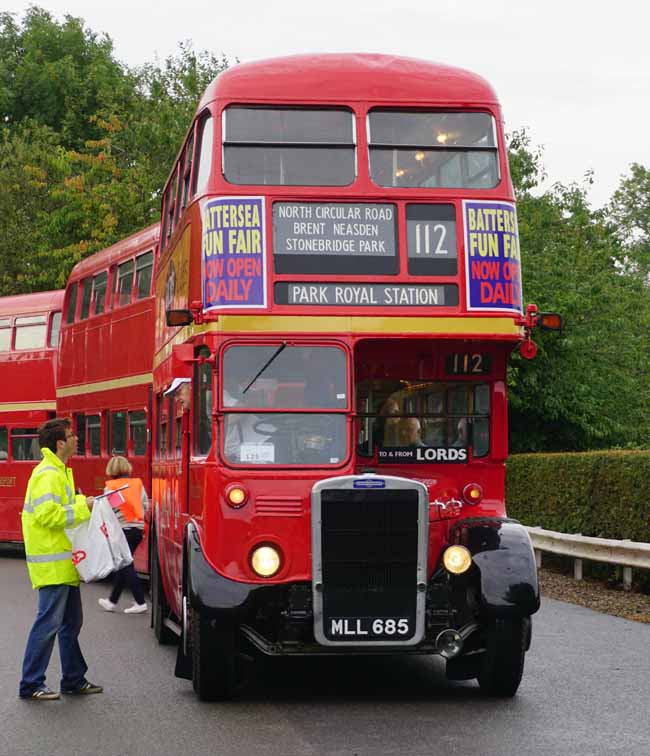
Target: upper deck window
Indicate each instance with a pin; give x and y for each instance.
(30, 332)
(289, 146)
(170, 207)
(124, 282)
(205, 142)
(55, 327)
(143, 268)
(433, 150)
(99, 291)
(87, 285)
(187, 171)
(5, 335)
(72, 303)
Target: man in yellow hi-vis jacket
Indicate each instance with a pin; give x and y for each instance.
(50, 506)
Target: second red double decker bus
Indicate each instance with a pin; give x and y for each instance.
(337, 296)
(105, 361)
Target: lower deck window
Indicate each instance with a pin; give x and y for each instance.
(24, 444)
(118, 433)
(138, 432)
(203, 403)
(410, 414)
(93, 434)
(80, 425)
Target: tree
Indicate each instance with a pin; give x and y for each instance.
(85, 143)
(31, 161)
(588, 388)
(113, 186)
(58, 75)
(168, 96)
(629, 212)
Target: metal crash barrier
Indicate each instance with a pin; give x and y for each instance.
(628, 554)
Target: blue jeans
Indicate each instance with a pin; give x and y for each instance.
(59, 614)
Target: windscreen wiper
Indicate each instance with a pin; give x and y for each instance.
(282, 346)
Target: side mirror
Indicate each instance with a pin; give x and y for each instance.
(177, 318)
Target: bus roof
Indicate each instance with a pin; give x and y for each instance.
(350, 77)
(123, 249)
(28, 304)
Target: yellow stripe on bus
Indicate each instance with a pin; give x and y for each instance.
(360, 324)
(26, 406)
(466, 327)
(90, 388)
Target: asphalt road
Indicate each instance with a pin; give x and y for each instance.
(585, 692)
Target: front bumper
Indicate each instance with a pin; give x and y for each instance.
(370, 592)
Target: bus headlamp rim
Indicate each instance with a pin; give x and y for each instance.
(236, 495)
(275, 555)
(457, 559)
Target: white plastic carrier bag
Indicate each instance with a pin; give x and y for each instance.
(99, 545)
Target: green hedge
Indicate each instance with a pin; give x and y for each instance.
(602, 494)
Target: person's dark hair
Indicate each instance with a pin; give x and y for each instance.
(51, 432)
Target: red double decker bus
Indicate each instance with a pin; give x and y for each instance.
(105, 361)
(29, 335)
(337, 296)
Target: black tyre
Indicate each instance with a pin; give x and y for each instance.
(503, 665)
(214, 675)
(159, 605)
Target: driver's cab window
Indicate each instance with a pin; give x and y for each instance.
(398, 415)
(284, 404)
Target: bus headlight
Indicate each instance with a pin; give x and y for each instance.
(266, 560)
(457, 560)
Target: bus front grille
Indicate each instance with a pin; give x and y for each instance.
(369, 544)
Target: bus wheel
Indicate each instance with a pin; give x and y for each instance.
(159, 605)
(503, 666)
(213, 659)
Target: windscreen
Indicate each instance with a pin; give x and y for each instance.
(265, 390)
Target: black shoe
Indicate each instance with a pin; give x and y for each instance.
(43, 694)
(86, 689)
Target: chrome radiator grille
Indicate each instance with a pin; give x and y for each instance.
(369, 556)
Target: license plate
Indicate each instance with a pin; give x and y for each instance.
(369, 628)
